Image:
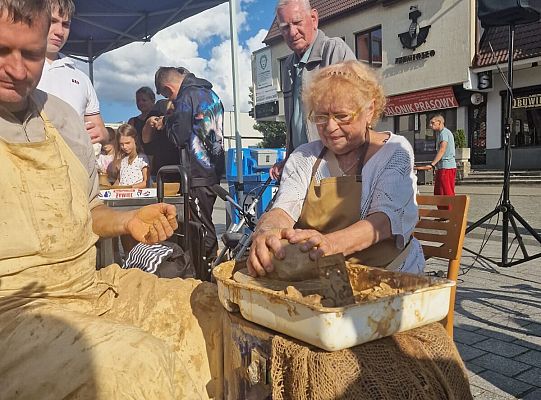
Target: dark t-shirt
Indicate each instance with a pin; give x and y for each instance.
(162, 150)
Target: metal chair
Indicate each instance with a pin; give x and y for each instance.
(441, 232)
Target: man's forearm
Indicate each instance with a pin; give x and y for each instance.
(107, 222)
(440, 153)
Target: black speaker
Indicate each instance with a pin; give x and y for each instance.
(508, 12)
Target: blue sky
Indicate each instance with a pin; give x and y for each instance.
(200, 43)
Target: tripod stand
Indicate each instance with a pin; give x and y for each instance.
(510, 215)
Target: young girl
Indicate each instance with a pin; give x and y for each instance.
(133, 164)
(105, 161)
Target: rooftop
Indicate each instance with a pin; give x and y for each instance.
(527, 44)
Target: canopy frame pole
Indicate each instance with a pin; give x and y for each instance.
(235, 74)
(90, 60)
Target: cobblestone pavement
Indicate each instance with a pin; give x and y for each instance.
(498, 310)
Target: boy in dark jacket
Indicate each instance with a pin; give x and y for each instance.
(195, 125)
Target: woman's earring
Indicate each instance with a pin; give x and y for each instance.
(368, 126)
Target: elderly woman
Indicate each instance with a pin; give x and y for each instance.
(353, 191)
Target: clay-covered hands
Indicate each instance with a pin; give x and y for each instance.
(153, 223)
(265, 241)
(315, 242)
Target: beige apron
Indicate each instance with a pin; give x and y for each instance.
(69, 331)
(334, 204)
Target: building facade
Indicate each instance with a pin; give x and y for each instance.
(490, 66)
(426, 52)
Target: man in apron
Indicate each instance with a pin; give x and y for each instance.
(68, 330)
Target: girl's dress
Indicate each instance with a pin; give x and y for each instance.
(103, 161)
(130, 174)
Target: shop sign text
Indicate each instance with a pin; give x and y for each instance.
(532, 101)
(422, 101)
(415, 57)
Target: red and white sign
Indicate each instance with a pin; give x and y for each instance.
(127, 193)
(422, 101)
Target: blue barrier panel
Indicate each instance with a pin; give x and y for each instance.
(256, 164)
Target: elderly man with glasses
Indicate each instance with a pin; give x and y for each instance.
(312, 50)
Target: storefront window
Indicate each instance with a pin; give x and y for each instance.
(526, 129)
(416, 128)
(526, 116)
(405, 126)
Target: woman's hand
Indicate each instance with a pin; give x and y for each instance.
(153, 223)
(314, 242)
(264, 241)
(155, 123)
(276, 170)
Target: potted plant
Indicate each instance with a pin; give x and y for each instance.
(462, 152)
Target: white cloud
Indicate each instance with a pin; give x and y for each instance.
(119, 73)
(256, 42)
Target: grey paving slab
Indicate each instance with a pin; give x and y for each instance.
(532, 342)
(466, 337)
(534, 329)
(499, 385)
(472, 325)
(505, 386)
(501, 332)
(533, 375)
(501, 348)
(497, 332)
(469, 353)
(532, 357)
(474, 369)
(502, 365)
(534, 395)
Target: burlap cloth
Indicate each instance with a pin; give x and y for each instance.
(422, 363)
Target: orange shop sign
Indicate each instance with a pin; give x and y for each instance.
(422, 101)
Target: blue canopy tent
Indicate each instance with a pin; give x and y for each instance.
(99, 26)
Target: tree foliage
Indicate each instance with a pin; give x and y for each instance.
(274, 134)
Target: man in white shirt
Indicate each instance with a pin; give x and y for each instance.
(61, 78)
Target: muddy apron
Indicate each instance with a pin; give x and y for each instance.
(334, 204)
(69, 331)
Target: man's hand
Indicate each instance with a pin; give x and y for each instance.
(96, 129)
(93, 132)
(276, 170)
(153, 223)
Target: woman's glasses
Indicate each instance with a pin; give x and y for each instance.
(342, 118)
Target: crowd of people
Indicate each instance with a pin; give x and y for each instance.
(345, 187)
